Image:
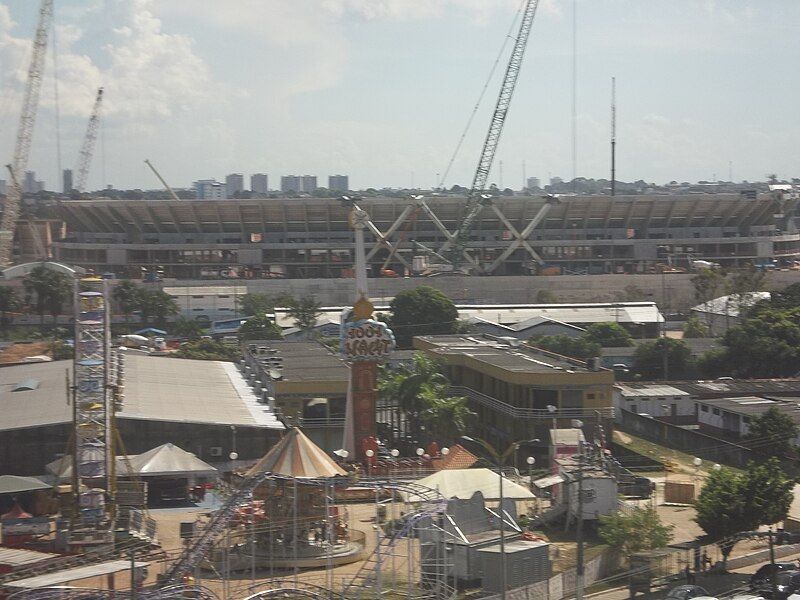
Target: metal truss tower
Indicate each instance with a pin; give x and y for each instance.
(87, 149)
(93, 409)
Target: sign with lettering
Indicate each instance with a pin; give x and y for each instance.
(366, 339)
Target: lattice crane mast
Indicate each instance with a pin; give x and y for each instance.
(27, 120)
(87, 149)
(476, 200)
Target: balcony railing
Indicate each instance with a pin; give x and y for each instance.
(530, 413)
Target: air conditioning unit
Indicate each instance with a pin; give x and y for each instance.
(215, 451)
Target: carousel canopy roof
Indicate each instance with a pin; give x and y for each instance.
(463, 483)
(12, 484)
(297, 456)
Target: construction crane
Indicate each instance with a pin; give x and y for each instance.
(87, 149)
(41, 251)
(161, 179)
(454, 248)
(27, 120)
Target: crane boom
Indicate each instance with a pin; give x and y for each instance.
(476, 199)
(27, 119)
(161, 179)
(87, 149)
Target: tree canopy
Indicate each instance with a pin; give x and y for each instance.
(733, 502)
(9, 302)
(641, 529)
(259, 327)
(648, 360)
(609, 335)
(771, 433)
(258, 304)
(694, 328)
(48, 290)
(156, 305)
(421, 311)
(564, 345)
(305, 311)
(187, 328)
(207, 350)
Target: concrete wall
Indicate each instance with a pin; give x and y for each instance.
(697, 444)
(676, 288)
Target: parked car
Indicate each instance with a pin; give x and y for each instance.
(764, 574)
(637, 487)
(686, 592)
(786, 584)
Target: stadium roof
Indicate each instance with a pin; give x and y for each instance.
(156, 388)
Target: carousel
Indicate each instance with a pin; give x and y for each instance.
(293, 520)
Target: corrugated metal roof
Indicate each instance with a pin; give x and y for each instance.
(156, 388)
(16, 557)
(74, 574)
(649, 391)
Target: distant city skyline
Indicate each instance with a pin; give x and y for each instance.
(381, 90)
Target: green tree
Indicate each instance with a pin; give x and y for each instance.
(564, 345)
(641, 529)
(156, 305)
(707, 285)
(421, 311)
(766, 344)
(733, 502)
(746, 281)
(41, 285)
(305, 311)
(693, 328)
(9, 302)
(127, 296)
(447, 418)
(61, 291)
(648, 360)
(546, 297)
(609, 335)
(61, 351)
(259, 327)
(788, 297)
(208, 350)
(187, 328)
(258, 304)
(771, 433)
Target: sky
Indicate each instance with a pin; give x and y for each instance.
(381, 90)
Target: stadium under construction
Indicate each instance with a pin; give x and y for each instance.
(311, 238)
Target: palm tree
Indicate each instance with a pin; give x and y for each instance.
(9, 302)
(447, 417)
(127, 295)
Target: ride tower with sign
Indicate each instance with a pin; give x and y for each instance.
(365, 343)
(93, 456)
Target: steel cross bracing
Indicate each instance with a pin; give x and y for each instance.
(432, 504)
(87, 149)
(27, 119)
(476, 200)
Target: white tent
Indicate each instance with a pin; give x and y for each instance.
(166, 460)
(464, 483)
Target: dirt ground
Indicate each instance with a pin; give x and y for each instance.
(17, 352)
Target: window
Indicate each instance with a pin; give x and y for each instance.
(746, 419)
(590, 396)
(704, 408)
(633, 409)
(716, 412)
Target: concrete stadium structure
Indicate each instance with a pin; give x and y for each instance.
(311, 238)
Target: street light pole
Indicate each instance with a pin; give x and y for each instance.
(579, 529)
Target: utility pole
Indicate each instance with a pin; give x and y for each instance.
(133, 574)
(579, 528)
(613, 136)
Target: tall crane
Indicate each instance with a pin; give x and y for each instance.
(27, 120)
(87, 149)
(477, 199)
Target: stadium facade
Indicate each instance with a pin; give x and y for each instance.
(311, 238)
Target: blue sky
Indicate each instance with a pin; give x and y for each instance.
(381, 89)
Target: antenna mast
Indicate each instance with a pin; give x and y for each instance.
(613, 135)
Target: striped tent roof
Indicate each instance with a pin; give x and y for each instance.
(297, 456)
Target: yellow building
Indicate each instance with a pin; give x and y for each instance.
(520, 392)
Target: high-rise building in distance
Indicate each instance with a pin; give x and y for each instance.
(66, 181)
(259, 183)
(339, 183)
(209, 189)
(234, 184)
(533, 183)
(299, 183)
(30, 185)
